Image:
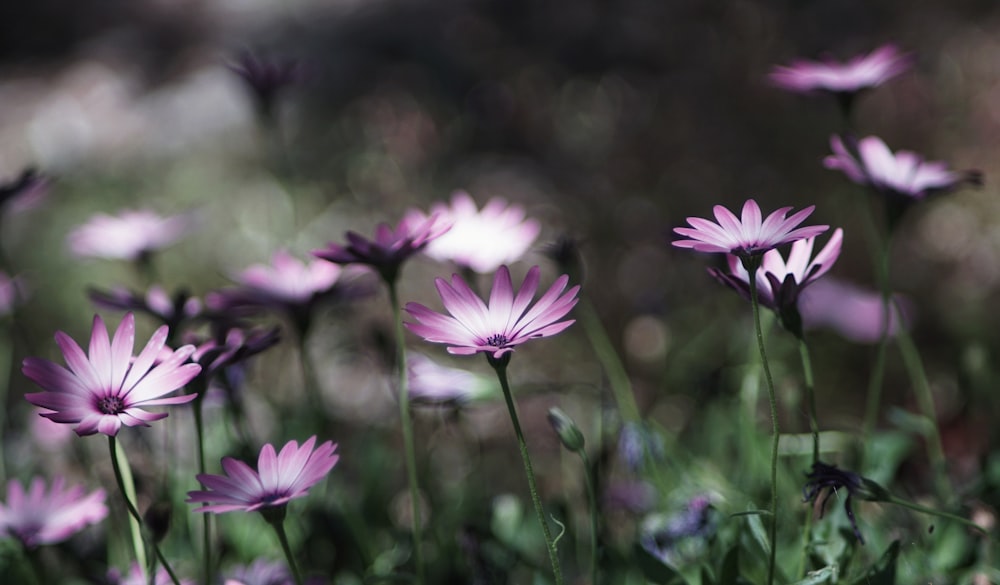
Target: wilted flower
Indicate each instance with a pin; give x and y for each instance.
(106, 388)
(25, 192)
(38, 517)
(130, 235)
(854, 313)
(482, 240)
(172, 311)
(830, 478)
(905, 176)
(747, 236)
(279, 478)
(473, 327)
(432, 383)
(861, 72)
(266, 78)
(391, 247)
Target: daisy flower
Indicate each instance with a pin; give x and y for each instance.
(861, 72)
(130, 235)
(106, 388)
(279, 478)
(746, 236)
(39, 516)
(497, 328)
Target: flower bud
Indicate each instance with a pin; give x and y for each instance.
(567, 430)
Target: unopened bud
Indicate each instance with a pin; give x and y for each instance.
(567, 430)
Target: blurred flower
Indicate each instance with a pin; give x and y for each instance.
(780, 283)
(748, 236)
(130, 235)
(632, 496)
(391, 247)
(38, 517)
(432, 383)
(265, 572)
(829, 478)
(266, 78)
(904, 175)
(172, 311)
(482, 240)
(473, 327)
(681, 536)
(854, 313)
(24, 193)
(137, 576)
(12, 291)
(640, 443)
(278, 479)
(107, 388)
(238, 345)
(861, 72)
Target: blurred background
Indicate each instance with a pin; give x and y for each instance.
(611, 122)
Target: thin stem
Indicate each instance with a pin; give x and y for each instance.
(501, 369)
(592, 501)
(206, 532)
(875, 381)
(606, 354)
(938, 513)
(279, 529)
(113, 448)
(407, 422)
(773, 525)
(807, 372)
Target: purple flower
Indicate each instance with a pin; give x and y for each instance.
(861, 72)
(391, 247)
(747, 236)
(238, 345)
(495, 329)
(171, 310)
(681, 536)
(279, 478)
(130, 235)
(265, 572)
(24, 193)
(137, 576)
(39, 517)
(432, 383)
(854, 313)
(833, 480)
(12, 292)
(482, 240)
(106, 388)
(904, 175)
(266, 78)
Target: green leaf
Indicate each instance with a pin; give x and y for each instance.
(653, 568)
(825, 575)
(883, 572)
(730, 569)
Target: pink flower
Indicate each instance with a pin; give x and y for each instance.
(278, 479)
(861, 72)
(105, 388)
(495, 329)
(856, 314)
(137, 576)
(432, 383)
(482, 239)
(904, 174)
(24, 193)
(12, 292)
(38, 517)
(391, 247)
(128, 236)
(171, 310)
(748, 236)
(778, 282)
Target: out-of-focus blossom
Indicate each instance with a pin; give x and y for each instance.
(482, 240)
(855, 313)
(130, 235)
(238, 345)
(173, 311)
(833, 480)
(434, 384)
(106, 388)
(265, 572)
(497, 329)
(137, 576)
(39, 516)
(640, 444)
(266, 78)
(12, 292)
(780, 283)
(24, 193)
(746, 236)
(861, 72)
(632, 496)
(904, 175)
(681, 536)
(279, 478)
(391, 247)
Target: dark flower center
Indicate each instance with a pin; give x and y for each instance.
(111, 405)
(498, 340)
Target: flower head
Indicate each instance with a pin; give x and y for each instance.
(279, 478)
(746, 236)
(265, 572)
(830, 478)
(482, 240)
(682, 535)
(171, 310)
(136, 575)
(904, 176)
(39, 517)
(130, 235)
(236, 346)
(502, 325)
(266, 78)
(861, 72)
(432, 383)
(106, 388)
(855, 313)
(25, 192)
(391, 247)
(12, 292)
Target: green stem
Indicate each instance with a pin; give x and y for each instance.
(875, 381)
(775, 433)
(119, 479)
(807, 372)
(206, 532)
(407, 423)
(500, 366)
(279, 529)
(592, 501)
(606, 354)
(938, 513)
